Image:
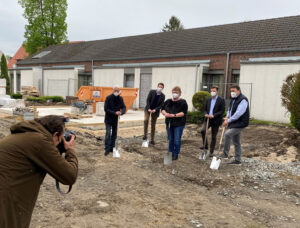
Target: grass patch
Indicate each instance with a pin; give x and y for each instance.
(270, 123)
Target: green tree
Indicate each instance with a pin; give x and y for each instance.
(173, 25)
(46, 23)
(199, 99)
(290, 97)
(4, 73)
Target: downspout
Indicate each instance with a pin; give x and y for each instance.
(196, 80)
(43, 93)
(92, 72)
(226, 75)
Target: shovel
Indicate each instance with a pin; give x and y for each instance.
(203, 155)
(167, 158)
(146, 141)
(215, 163)
(116, 149)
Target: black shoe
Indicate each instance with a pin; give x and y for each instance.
(152, 142)
(211, 155)
(224, 156)
(106, 152)
(144, 138)
(176, 157)
(202, 147)
(235, 162)
(111, 150)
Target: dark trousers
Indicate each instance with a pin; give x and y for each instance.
(214, 132)
(146, 124)
(110, 136)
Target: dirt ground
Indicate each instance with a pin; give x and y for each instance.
(137, 190)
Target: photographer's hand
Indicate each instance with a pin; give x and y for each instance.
(70, 144)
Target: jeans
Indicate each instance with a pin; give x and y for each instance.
(175, 139)
(153, 123)
(214, 132)
(110, 136)
(235, 135)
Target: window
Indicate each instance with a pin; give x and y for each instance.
(129, 80)
(84, 80)
(41, 54)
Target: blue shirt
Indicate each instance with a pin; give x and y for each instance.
(241, 109)
(212, 105)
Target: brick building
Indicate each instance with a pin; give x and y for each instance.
(193, 58)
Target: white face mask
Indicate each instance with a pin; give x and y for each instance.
(116, 94)
(213, 94)
(159, 89)
(175, 95)
(233, 94)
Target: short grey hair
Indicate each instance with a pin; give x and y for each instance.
(116, 87)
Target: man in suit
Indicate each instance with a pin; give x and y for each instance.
(155, 101)
(213, 109)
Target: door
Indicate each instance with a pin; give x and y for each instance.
(145, 86)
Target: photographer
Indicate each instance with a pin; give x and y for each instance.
(26, 156)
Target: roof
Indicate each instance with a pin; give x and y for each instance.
(20, 54)
(269, 34)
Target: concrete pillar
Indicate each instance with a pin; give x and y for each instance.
(15, 81)
(137, 76)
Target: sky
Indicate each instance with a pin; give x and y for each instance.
(103, 19)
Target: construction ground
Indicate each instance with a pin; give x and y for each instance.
(137, 190)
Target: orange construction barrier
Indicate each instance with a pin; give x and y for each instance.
(99, 94)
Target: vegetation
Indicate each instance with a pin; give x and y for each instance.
(290, 97)
(199, 100)
(195, 117)
(173, 25)
(16, 96)
(45, 99)
(4, 73)
(46, 23)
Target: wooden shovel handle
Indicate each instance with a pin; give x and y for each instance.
(223, 130)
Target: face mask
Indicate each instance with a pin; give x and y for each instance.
(213, 94)
(159, 89)
(116, 94)
(175, 95)
(233, 94)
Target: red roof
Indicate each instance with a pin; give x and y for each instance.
(20, 54)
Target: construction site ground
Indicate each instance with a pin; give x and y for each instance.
(137, 190)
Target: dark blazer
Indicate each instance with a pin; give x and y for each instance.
(150, 99)
(111, 106)
(218, 111)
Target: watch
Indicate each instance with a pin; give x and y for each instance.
(174, 115)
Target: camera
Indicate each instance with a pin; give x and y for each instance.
(67, 136)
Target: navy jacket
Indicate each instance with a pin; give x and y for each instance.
(150, 99)
(243, 121)
(111, 106)
(218, 111)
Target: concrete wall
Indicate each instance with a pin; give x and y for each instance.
(185, 77)
(109, 77)
(267, 79)
(60, 82)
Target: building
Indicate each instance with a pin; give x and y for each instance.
(195, 59)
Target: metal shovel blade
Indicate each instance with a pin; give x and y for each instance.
(116, 152)
(168, 158)
(145, 143)
(203, 155)
(215, 163)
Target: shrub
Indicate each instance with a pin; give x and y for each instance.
(36, 99)
(195, 117)
(290, 96)
(199, 100)
(16, 96)
(54, 98)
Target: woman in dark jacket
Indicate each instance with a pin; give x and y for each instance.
(175, 110)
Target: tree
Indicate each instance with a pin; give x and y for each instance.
(290, 97)
(199, 99)
(173, 25)
(4, 73)
(46, 23)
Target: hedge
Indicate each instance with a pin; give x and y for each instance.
(199, 99)
(45, 98)
(16, 96)
(195, 117)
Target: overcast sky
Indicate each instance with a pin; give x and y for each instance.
(101, 19)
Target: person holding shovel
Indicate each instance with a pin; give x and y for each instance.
(237, 119)
(155, 101)
(213, 110)
(175, 110)
(114, 107)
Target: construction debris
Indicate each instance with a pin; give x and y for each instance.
(76, 116)
(30, 91)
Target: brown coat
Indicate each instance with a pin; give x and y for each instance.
(26, 156)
